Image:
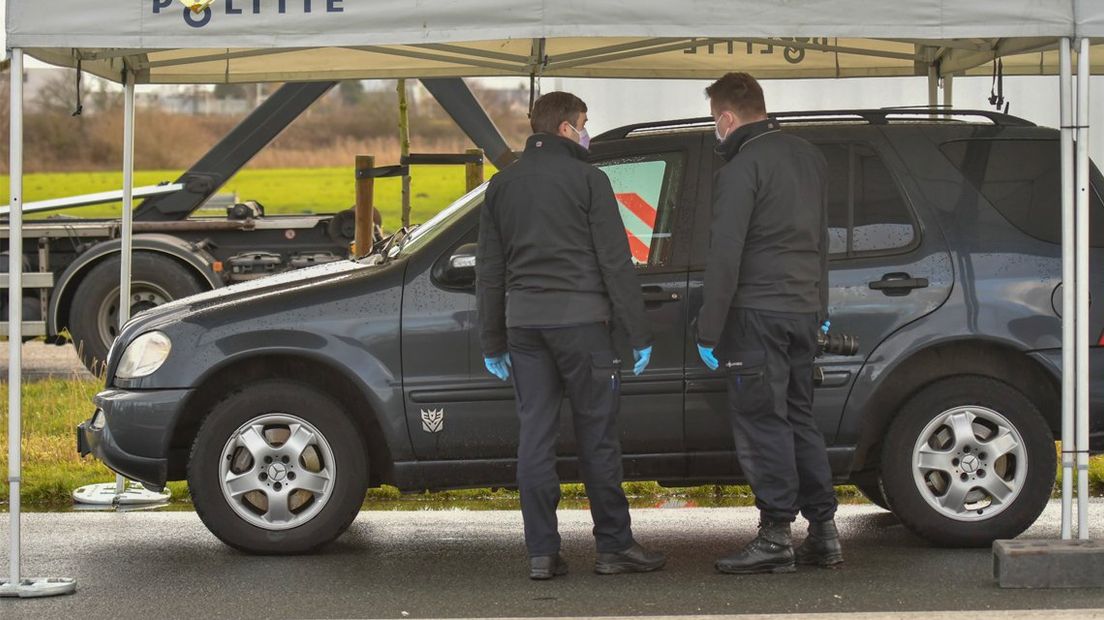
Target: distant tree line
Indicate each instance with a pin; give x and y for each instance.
(348, 120)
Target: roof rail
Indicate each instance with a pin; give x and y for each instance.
(882, 116)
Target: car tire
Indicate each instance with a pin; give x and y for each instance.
(967, 461)
(93, 314)
(237, 466)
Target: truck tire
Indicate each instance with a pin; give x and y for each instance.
(278, 468)
(968, 460)
(94, 312)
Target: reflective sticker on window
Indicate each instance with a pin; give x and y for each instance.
(637, 186)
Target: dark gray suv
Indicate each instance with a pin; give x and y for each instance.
(281, 400)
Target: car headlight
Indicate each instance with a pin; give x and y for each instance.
(144, 355)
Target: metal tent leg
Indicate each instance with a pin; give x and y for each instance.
(122, 491)
(1069, 316)
(1081, 342)
(16, 585)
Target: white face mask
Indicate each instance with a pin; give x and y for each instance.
(584, 137)
(717, 130)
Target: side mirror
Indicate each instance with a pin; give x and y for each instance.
(460, 267)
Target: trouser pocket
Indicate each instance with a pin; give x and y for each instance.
(606, 368)
(747, 381)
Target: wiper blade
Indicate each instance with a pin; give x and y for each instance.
(392, 242)
(402, 242)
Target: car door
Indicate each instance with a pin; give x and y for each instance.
(654, 183)
(886, 270)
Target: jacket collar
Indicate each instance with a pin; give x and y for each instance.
(549, 144)
(738, 139)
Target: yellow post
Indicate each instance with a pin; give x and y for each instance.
(473, 171)
(365, 189)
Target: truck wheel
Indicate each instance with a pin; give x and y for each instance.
(94, 313)
(968, 460)
(278, 468)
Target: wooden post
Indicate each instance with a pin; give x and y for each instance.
(404, 146)
(473, 171)
(365, 188)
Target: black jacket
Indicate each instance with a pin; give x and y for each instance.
(769, 244)
(552, 248)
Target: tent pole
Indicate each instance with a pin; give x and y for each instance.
(121, 492)
(1082, 252)
(1069, 318)
(948, 91)
(128, 201)
(127, 248)
(15, 310)
(16, 585)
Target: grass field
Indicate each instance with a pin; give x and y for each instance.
(52, 469)
(281, 191)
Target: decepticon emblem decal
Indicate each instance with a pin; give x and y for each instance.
(433, 421)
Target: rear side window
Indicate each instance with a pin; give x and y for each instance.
(1022, 180)
(867, 214)
(646, 188)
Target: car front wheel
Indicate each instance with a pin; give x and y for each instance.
(968, 460)
(277, 468)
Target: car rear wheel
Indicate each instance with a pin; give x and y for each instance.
(278, 468)
(94, 313)
(968, 460)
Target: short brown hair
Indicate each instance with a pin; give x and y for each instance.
(739, 93)
(553, 109)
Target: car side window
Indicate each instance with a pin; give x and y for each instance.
(1022, 179)
(867, 213)
(646, 188)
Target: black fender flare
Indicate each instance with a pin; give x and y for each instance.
(200, 261)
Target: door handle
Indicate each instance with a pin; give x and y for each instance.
(656, 295)
(898, 284)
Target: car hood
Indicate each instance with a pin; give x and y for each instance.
(242, 292)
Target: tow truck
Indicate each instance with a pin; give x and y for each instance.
(72, 264)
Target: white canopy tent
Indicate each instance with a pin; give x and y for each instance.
(161, 41)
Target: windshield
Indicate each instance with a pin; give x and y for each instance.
(439, 222)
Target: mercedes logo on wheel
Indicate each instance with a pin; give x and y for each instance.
(277, 472)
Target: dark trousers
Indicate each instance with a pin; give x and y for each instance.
(546, 363)
(768, 358)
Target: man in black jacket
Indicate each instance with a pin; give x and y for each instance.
(553, 259)
(766, 295)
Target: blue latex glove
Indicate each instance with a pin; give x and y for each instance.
(826, 326)
(642, 357)
(707, 356)
(498, 366)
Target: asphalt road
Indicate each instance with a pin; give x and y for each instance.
(460, 563)
(41, 361)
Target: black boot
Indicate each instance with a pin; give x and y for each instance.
(547, 566)
(635, 559)
(770, 552)
(821, 546)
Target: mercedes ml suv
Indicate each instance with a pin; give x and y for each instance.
(283, 399)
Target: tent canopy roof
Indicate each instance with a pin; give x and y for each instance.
(162, 41)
